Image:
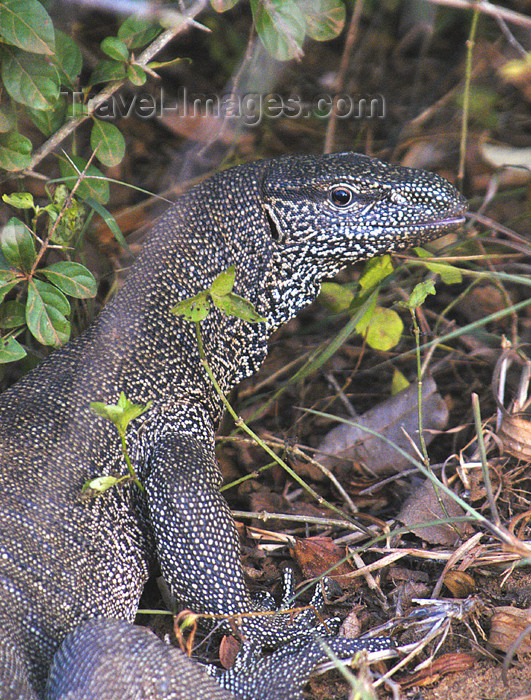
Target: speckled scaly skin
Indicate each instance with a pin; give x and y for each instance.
(284, 224)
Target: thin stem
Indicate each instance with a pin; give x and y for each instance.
(466, 95)
(130, 467)
(416, 333)
(484, 462)
(342, 73)
(241, 424)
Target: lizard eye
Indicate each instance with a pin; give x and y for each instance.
(341, 196)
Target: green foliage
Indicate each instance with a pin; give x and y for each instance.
(336, 297)
(46, 311)
(399, 382)
(449, 274)
(381, 327)
(419, 294)
(28, 26)
(38, 61)
(94, 185)
(120, 415)
(38, 295)
(282, 25)
(219, 294)
(17, 245)
(107, 140)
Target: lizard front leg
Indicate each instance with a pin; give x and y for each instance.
(198, 546)
(197, 542)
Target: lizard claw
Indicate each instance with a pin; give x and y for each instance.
(281, 675)
(276, 630)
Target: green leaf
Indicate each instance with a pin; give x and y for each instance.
(16, 242)
(325, 19)
(399, 382)
(449, 273)
(234, 305)
(68, 59)
(50, 120)
(30, 79)
(109, 141)
(72, 279)
(136, 32)
(110, 412)
(336, 297)
(11, 350)
(194, 309)
(46, 308)
(100, 484)
(15, 151)
(375, 271)
(26, 24)
(382, 330)
(98, 189)
(110, 221)
(12, 314)
(5, 268)
(115, 48)
(7, 120)
(6, 287)
(224, 282)
(154, 65)
(419, 294)
(281, 27)
(223, 5)
(120, 414)
(136, 74)
(70, 226)
(19, 200)
(106, 71)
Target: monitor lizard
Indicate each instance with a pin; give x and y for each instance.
(68, 564)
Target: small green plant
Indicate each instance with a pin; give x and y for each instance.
(381, 327)
(196, 309)
(120, 415)
(219, 294)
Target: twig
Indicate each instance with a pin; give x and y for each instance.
(487, 9)
(68, 200)
(109, 90)
(341, 74)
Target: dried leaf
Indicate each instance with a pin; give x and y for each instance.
(228, 650)
(506, 624)
(447, 663)
(515, 433)
(347, 443)
(460, 584)
(317, 555)
(424, 505)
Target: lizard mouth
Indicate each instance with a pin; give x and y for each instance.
(452, 221)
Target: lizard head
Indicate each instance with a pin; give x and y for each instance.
(345, 207)
(327, 212)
